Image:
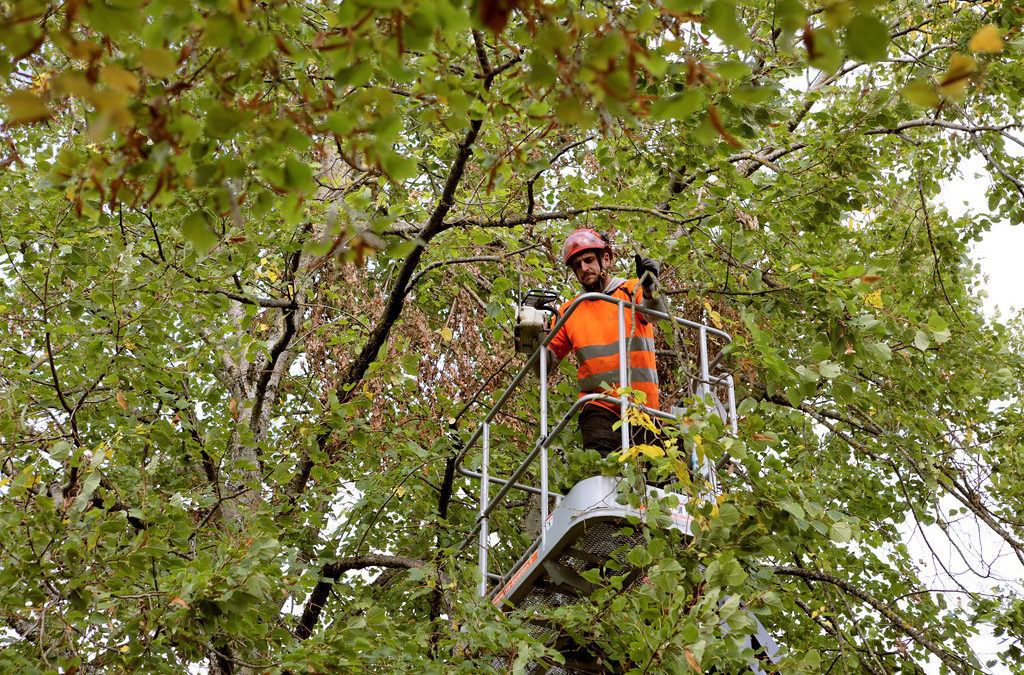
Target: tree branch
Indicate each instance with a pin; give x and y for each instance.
(469, 259)
(955, 663)
(331, 572)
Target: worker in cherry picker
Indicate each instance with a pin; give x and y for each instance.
(592, 332)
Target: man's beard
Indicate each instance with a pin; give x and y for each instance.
(595, 287)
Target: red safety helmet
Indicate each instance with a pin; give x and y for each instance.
(583, 239)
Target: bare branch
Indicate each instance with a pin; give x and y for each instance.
(469, 259)
(954, 663)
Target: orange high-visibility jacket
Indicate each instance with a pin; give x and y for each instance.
(593, 333)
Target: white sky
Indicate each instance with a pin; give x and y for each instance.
(998, 254)
(1000, 250)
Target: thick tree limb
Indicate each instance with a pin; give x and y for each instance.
(567, 214)
(317, 599)
(394, 303)
(279, 303)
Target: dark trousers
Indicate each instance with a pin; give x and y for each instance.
(596, 424)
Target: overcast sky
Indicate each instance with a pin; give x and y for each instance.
(999, 253)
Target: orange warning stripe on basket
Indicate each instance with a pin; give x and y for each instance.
(515, 579)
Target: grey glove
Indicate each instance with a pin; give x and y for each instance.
(647, 270)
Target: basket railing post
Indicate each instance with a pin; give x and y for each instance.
(544, 446)
(485, 486)
(705, 376)
(623, 378)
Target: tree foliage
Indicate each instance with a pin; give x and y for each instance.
(256, 256)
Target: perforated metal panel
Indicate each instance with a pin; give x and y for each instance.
(586, 531)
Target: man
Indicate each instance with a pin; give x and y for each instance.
(592, 332)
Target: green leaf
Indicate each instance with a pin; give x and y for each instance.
(722, 20)
(936, 322)
(822, 50)
(639, 557)
(197, 229)
(829, 369)
(879, 351)
(793, 508)
(222, 122)
(683, 6)
(297, 175)
(867, 38)
(159, 62)
(678, 106)
(791, 16)
(921, 93)
(400, 168)
(728, 514)
(24, 107)
(840, 531)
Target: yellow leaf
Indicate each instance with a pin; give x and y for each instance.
(41, 83)
(628, 454)
(874, 298)
(954, 81)
(159, 62)
(119, 79)
(987, 39)
(716, 319)
(24, 107)
(125, 648)
(651, 451)
(681, 472)
(795, 266)
(446, 334)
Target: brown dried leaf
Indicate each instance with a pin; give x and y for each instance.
(692, 660)
(716, 122)
(495, 13)
(808, 37)
(282, 46)
(954, 80)
(123, 404)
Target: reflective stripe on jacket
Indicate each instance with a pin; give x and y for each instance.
(592, 332)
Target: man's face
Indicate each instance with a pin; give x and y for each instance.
(587, 268)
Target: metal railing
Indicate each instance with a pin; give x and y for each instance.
(706, 384)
